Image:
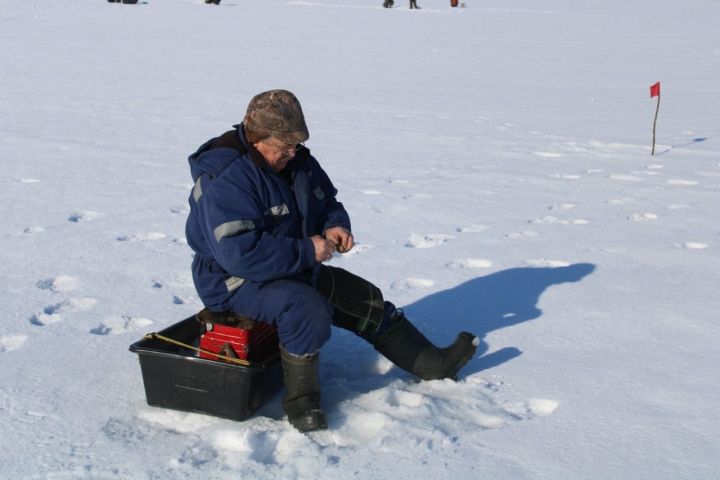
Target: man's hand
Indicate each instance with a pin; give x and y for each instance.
(342, 238)
(323, 248)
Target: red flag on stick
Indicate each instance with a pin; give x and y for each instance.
(655, 92)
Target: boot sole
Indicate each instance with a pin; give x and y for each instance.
(310, 421)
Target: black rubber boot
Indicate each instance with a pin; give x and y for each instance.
(302, 397)
(406, 347)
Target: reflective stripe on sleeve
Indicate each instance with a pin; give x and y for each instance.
(234, 283)
(197, 190)
(230, 229)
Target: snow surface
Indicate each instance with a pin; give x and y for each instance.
(496, 164)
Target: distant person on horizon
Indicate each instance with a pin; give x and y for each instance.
(388, 3)
(263, 220)
(413, 4)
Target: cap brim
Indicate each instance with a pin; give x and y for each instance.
(292, 138)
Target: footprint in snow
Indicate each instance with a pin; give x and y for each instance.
(196, 455)
(427, 241)
(259, 445)
(119, 325)
(565, 176)
(416, 196)
(48, 316)
(32, 230)
(625, 178)
(180, 209)
(398, 181)
(548, 154)
(680, 182)
(183, 279)
(544, 262)
(411, 284)
(470, 263)
(179, 300)
(9, 343)
(474, 228)
(561, 206)
(62, 283)
(642, 217)
(535, 407)
(550, 220)
(523, 234)
(402, 398)
(694, 245)
(371, 192)
(128, 433)
(141, 237)
(53, 313)
(85, 216)
(134, 432)
(176, 421)
(622, 201)
(361, 427)
(184, 299)
(29, 180)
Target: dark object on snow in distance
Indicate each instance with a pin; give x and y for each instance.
(128, 2)
(388, 3)
(216, 2)
(413, 4)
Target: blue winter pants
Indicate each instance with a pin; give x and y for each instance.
(302, 313)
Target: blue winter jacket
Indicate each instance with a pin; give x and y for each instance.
(248, 222)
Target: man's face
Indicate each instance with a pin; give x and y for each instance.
(276, 153)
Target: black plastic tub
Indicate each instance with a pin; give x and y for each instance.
(176, 378)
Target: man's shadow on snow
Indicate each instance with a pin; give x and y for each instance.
(489, 303)
(480, 306)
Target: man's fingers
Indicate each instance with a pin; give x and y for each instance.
(341, 239)
(348, 242)
(345, 242)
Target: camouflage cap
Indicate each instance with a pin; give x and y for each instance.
(278, 113)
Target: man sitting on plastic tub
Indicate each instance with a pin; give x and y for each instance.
(263, 219)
